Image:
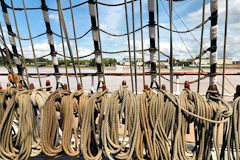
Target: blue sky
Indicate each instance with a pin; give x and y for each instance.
(112, 19)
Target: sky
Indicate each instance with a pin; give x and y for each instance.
(112, 19)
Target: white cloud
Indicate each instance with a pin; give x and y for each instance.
(53, 17)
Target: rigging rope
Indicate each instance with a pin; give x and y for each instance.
(129, 45)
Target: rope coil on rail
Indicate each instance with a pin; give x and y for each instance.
(206, 114)
(152, 125)
(91, 126)
(120, 124)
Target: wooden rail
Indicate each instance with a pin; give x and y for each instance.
(127, 74)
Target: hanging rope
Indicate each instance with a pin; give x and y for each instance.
(144, 144)
(91, 126)
(207, 115)
(121, 113)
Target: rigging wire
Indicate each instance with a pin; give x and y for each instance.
(143, 56)
(171, 47)
(225, 47)
(33, 50)
(62, 21)
(201, 45)
(158, 41)
(129, 47)
(134, 46)
(64, 52)
(20, 43)
(75, 41)
(67, 8)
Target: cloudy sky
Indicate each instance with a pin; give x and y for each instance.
(112, 19)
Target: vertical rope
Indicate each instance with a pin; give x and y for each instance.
(50, 40)
(33, 50)
(129, 47)
(96, 40)
(64, 53)
(213, 37)
(134, 46)
(171, 48)
(143, 56)
(225, 48)
(201, 45)
(19, 41)
(16, 56)
(152, 41)
(63, 25)
(75, 41)
(100, 43)
(158, 41)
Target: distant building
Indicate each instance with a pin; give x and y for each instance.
(206, 61)
(126, 61)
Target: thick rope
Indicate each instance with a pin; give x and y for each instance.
(121, 115)
(91, 126)
(206, 114)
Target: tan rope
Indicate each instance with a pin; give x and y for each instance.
(121, 113)
(49, 129)
(91, 127)
(144, 129)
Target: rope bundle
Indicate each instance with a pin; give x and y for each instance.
(233, 142)
(206, 115)
(20, 117)
(152, 125)
(121, 113)
(91, 126)
(164, 116)
(144, 139)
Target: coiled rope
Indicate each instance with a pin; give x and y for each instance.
(144, 139)
(91, 126)
(121, 113)
(206, 114)
(164, 116)
(20, 137)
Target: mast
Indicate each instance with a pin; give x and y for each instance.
(152, 48)
(96, 40)
(50, 39)
(213, 38)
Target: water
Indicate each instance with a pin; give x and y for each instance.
(113, 82)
